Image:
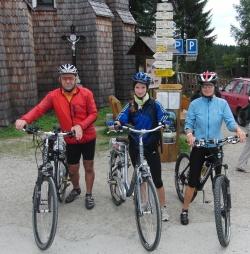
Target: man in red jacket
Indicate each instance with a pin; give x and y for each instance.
(75, 110)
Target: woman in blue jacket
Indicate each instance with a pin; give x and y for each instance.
(144, 112)
(203, 121)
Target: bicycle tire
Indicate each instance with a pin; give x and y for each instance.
(44, 204)
(144, 221)
(113, 180)
(61, 180)
(222, 205)
(181, 176)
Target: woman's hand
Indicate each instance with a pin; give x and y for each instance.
(241, 134)
(190, 138)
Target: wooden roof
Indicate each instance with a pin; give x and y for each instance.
(143, 46)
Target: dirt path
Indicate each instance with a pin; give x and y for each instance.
(107, 228)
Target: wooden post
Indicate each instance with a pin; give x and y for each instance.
(170, 97)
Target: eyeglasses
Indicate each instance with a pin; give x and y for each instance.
(207, 86)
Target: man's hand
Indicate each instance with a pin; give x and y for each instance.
(20, 124)
(78, 131)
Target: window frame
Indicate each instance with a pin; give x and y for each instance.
(35, 4)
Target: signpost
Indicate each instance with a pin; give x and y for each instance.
(191, 47)
(164, 40)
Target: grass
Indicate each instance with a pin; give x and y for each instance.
(48, 121)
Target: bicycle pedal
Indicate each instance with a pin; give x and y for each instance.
(112, 182)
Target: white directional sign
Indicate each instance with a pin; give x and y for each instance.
(164, 15)
(164, 32)
(164, 7)
(166, 41)
(163, 56)
(163, 64)
(164, 24)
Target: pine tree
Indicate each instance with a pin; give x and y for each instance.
(192, 22)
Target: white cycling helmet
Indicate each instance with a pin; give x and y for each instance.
(67, 69)
(207, 77)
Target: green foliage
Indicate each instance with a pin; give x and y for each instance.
(101, 118)
(184, 147)
(144, 13)
(192, 22)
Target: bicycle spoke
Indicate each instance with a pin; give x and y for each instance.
(45, 213)
(148, 215)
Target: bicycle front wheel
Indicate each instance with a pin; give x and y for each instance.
(148, 214)
(61, 174)
(182, 168)
(44, 213)
(222, 206)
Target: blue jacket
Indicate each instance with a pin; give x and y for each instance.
(205, 117)
(147, 118)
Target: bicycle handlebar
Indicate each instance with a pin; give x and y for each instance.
(35, 130)
(217, 142)
(130, 128)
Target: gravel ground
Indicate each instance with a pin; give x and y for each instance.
(108, 228)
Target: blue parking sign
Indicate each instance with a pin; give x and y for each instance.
(191, 46)
(179, 46)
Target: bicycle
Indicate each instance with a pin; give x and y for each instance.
(220, 183)
(51, 184)
(147, 206)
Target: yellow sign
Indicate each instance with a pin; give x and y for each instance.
(170, 86)
(161, 48)
(164, 72)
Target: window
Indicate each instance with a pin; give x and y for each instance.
(43, 3)
(248, 88)
(237, 89)
(229, 87)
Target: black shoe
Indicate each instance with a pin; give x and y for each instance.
(72, 195)
(89, 201)
(184, 218)
(241, 170)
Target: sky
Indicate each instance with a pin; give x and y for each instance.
(223, 15)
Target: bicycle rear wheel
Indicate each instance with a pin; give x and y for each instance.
(182, 168)
(114, 180)
(222, 206)
(148, 214)
(45, 212)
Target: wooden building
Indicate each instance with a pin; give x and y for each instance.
(32, 48)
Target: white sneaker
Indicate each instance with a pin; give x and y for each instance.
(164, 213)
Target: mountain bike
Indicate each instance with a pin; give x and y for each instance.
(220, 183)
(147, 206)
(51, 183)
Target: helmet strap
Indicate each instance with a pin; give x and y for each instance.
(141, 101)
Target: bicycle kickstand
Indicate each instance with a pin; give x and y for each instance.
(204, 199)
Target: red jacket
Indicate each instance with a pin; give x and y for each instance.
(80, 110)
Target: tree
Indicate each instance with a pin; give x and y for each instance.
(242, 34)
(192, 22)
(144, 13)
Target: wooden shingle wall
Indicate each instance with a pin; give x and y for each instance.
(32, 48)
(123, 39)
(94, 53)
(18, 90)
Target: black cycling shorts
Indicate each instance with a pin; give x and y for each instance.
(74, 152)
(154, 161)
(197, 158)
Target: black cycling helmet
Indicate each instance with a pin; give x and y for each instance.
(67, 69)
(142, 77)
(207, 77)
